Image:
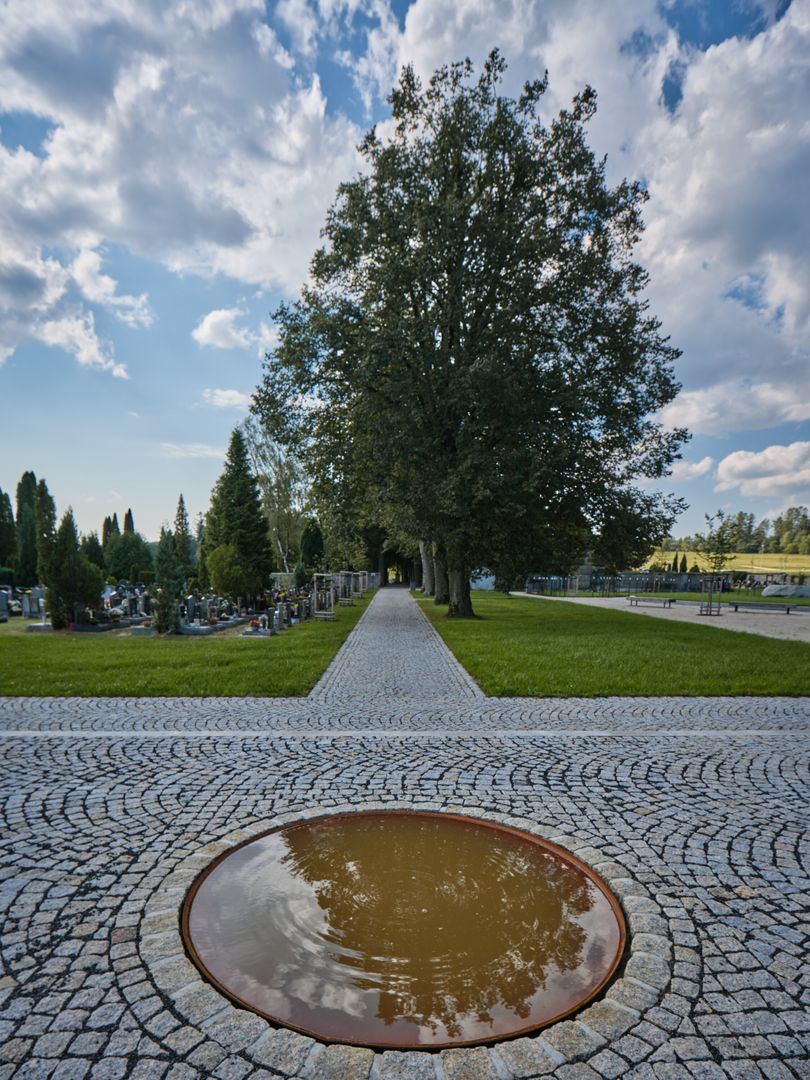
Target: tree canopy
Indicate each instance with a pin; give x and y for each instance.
(474, 359)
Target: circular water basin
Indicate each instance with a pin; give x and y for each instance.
(404, 929)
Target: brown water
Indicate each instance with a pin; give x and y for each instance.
(403, 929)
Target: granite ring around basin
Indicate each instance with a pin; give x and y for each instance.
(640, 982)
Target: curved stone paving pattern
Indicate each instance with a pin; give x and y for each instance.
(694, 811)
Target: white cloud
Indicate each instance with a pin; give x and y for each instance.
(77, 335)
(300, 22)
(191, 450)
(690, 470)
(217, 330)
(738, 405)
(181, 133)
(763, 472)
(102, 289)
(227, 399)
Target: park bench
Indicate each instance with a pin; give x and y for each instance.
(659, 601)
(758, 605)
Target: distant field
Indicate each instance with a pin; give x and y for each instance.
(749, 561)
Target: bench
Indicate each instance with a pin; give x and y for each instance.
(758, 605)
(662, 601)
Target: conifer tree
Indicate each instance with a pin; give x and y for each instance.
(182, 536)
(8, 531)
(45, 523)
(683, 563)
(129, 524)
(235, 517)
(168, 576)
(26, 556)
(72, 580)
(91, 549)
(25, 566)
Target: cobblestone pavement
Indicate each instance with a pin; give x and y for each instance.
(694, 810)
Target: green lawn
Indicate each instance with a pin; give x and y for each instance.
(543, 648)
(109, 665)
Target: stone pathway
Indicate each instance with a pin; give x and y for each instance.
(794, 626)
(695, 810)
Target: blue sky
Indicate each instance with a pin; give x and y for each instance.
(165, 168)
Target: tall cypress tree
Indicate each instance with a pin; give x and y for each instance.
(25, 567)
(235, 516)
(129, 523)
(45, 523)
(26, 555)
(8, 531)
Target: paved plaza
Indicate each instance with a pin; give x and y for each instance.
(694, 810)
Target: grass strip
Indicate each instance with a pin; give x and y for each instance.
(108, 665)
(520, 647)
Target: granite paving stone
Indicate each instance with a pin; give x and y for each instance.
(695, 810)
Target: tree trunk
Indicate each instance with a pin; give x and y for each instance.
(460, 601)
(441, 591)
(416, 573)
(382, 570)
(428, 587)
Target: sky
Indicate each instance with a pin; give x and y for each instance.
(166, 167)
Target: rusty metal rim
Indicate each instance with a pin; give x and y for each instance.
(541, 842)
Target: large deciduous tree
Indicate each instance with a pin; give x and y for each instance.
(474, 353)
(282, 488)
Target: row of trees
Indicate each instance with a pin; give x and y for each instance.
(472, 373)
(786, 534)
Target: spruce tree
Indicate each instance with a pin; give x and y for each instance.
(168, 575)
(182, 536)
(72, 580)
(235, 517)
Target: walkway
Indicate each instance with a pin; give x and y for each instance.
(777, 624)
(694, 809)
